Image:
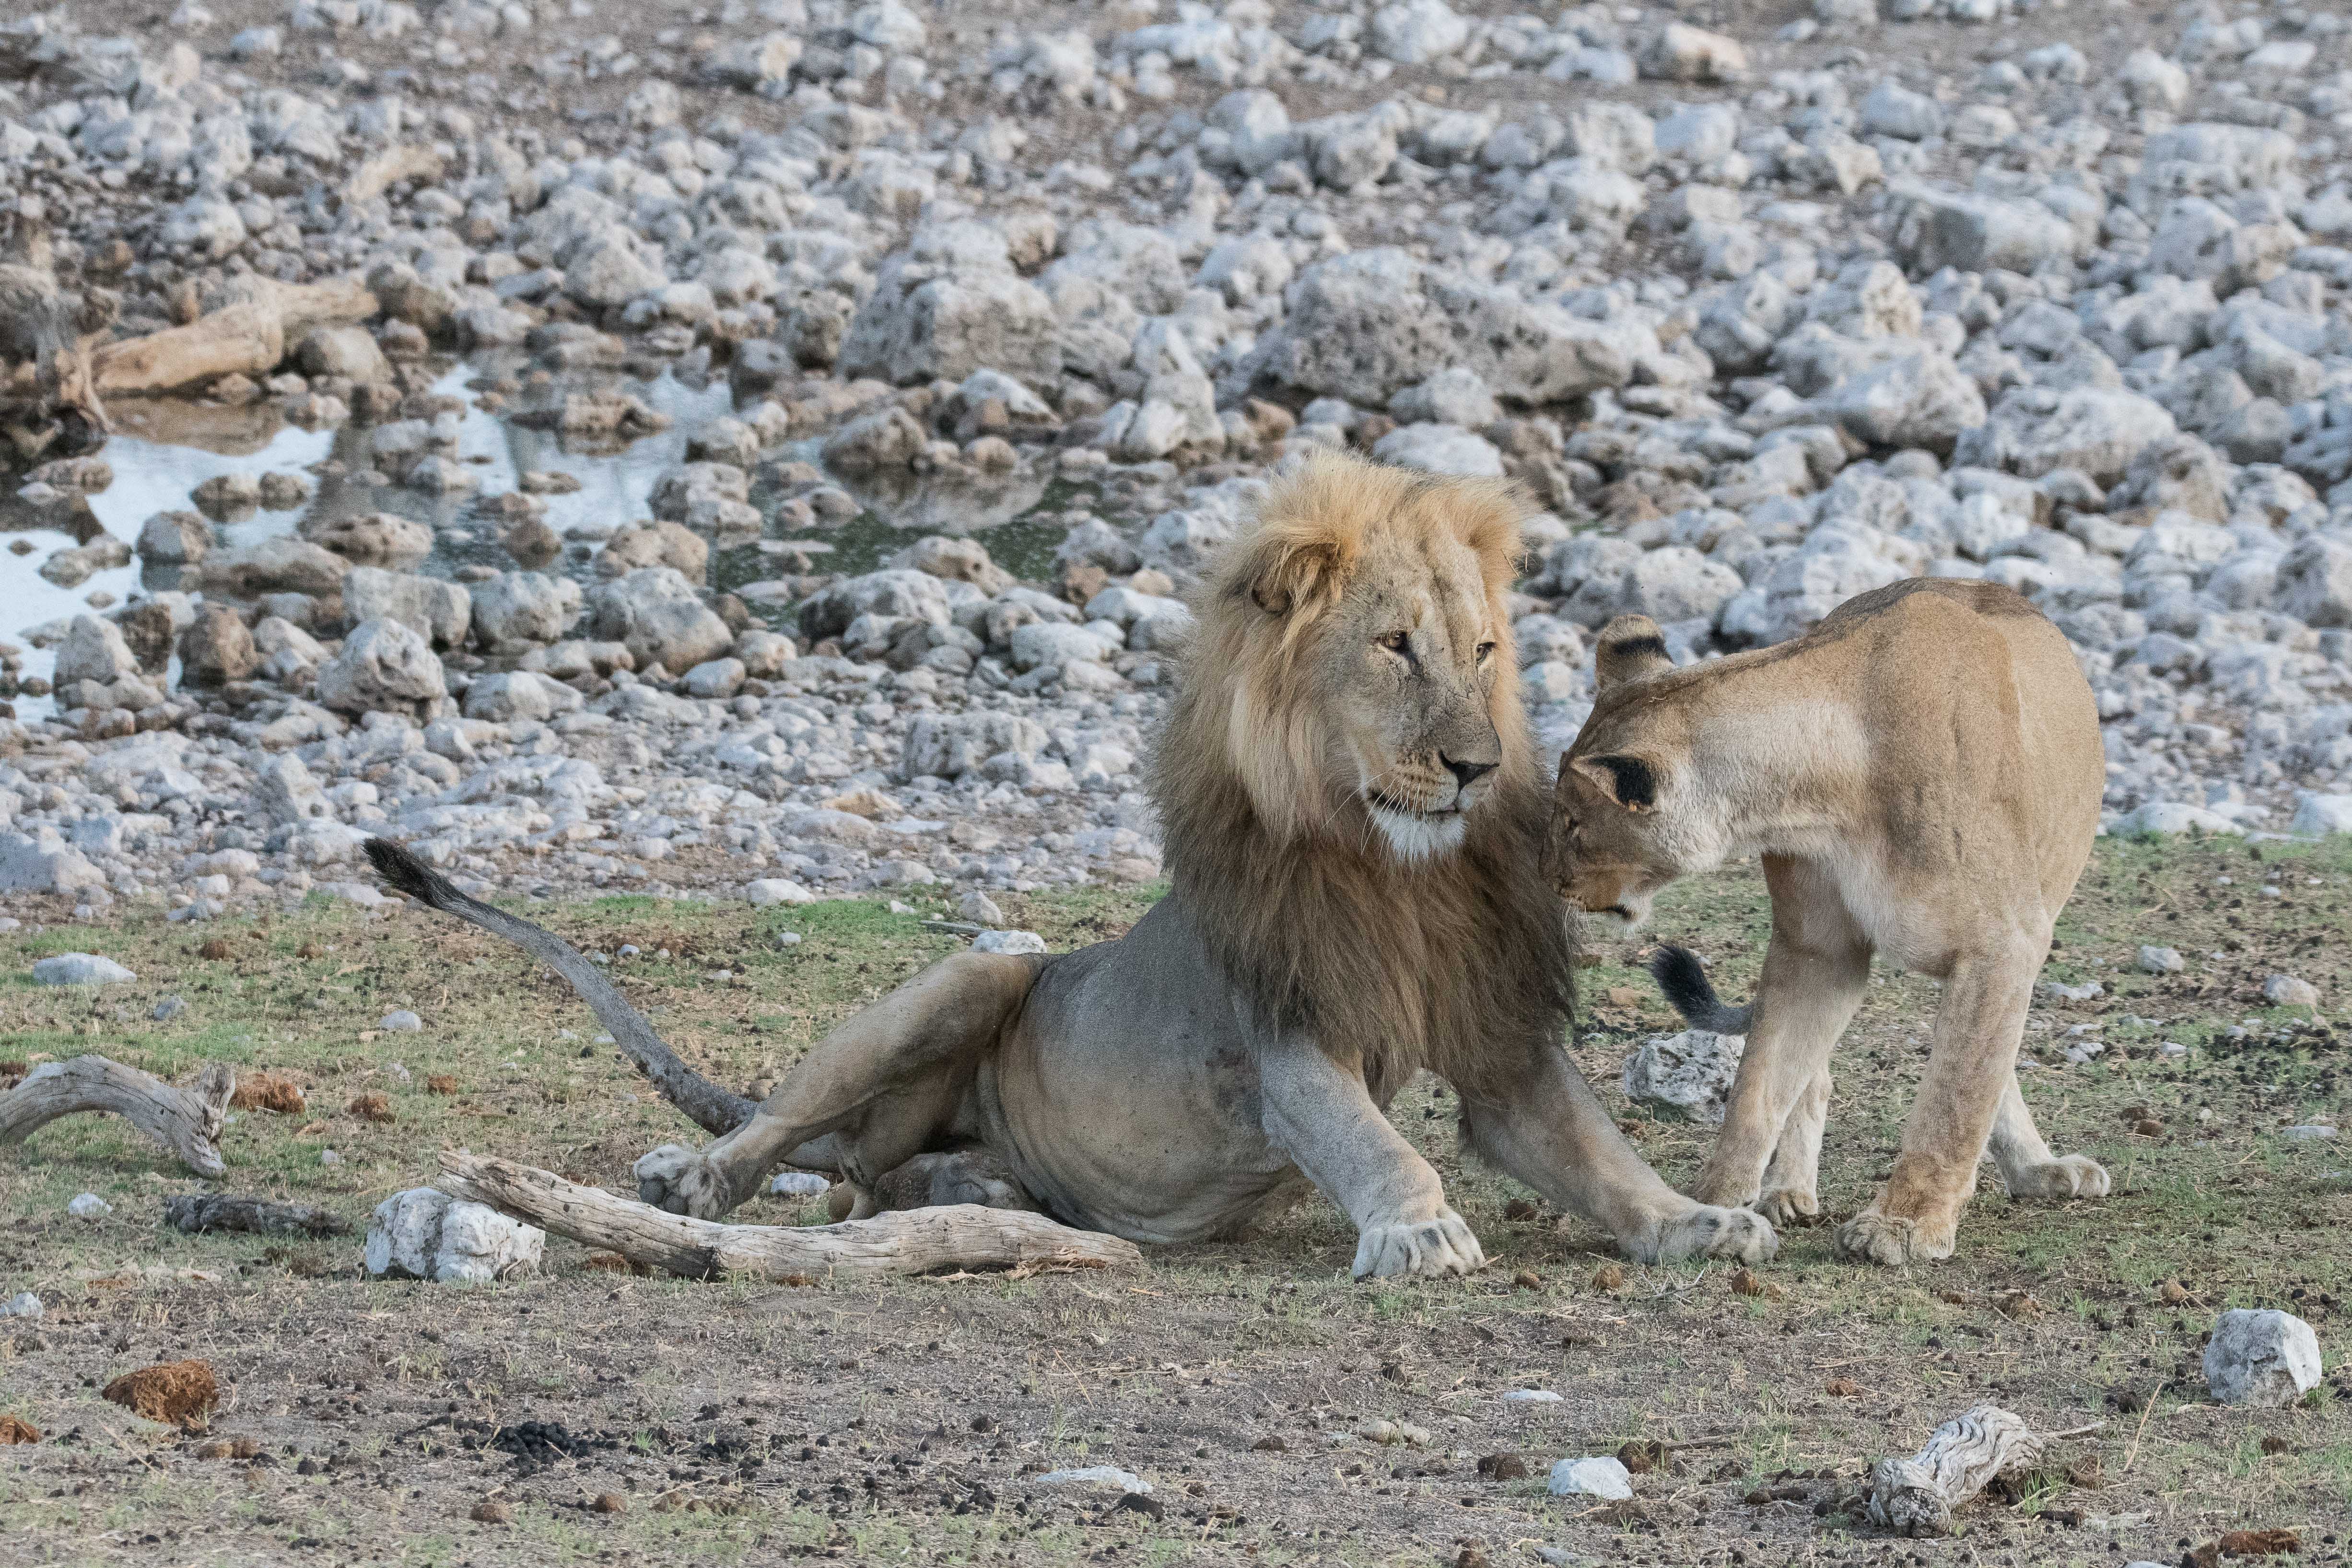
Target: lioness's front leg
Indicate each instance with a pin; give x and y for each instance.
(1322, 1116)
(1970, 1065)
(1546, 1126)
(1814, 973)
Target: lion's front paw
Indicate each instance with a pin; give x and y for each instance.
(681, 1181)
(2067, 1176)
(1875, 1237)
(1708, 1231)
(1436, 1247)
(1789, 1206)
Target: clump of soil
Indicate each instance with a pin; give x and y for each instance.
(175, 1392)
(269, 1091)
(371, 1108)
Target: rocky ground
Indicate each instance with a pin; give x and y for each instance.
(963, 334)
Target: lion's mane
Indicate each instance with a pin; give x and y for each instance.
(1454, 964)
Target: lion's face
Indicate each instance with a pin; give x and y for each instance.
(1354, 652)
(1405, 672)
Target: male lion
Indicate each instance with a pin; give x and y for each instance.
(1921, 773)
(1354, 822)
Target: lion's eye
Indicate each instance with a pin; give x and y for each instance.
(1485, 651)
(1397, 642)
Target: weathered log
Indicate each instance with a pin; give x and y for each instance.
(1918, 1495)
(254, 321)
(186, 1121)
(906, 1241)
(389, 168)
(194, 1212)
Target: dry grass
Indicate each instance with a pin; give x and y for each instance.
(364, 1422)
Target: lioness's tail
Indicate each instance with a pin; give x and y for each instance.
(717, 1109)
(1683, 980)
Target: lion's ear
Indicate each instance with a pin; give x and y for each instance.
(1632, 782)
(1629, 647)
(1288, 571)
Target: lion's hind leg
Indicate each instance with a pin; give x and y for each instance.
(2028, 1169)
(887, 1084)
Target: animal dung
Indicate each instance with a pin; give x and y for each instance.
(173, 1392)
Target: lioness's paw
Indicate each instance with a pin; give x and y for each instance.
(1873, 1237)
(1789, 1206)
(681, 1181)
(1708, 1231)
(2067, 1176)
(1436, 1247)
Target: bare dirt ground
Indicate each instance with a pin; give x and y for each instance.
(749, 1423)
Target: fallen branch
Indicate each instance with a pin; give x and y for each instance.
(253, 322)
(904, 1241)
(186, 1121)
(1917, 1496)
(194, 1212)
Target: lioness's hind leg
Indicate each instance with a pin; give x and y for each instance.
(2028, 1169)
(889, 1080)
(1971, 1063)
(1792, 1181)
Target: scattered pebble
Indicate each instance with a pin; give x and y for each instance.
(1600, 1476)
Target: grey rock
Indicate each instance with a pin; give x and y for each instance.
(1367, 325)
(520, 609)
(2266, 1359)
(658, 617)
(385, 667)
(80, 969)
(424, 1233)
(1690, 1072)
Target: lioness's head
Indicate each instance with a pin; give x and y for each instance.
(1353, 667)
(1620, 829)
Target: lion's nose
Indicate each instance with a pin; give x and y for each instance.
(1466, 774)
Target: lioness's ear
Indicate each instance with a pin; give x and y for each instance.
(1629, 647)
(1630, 781)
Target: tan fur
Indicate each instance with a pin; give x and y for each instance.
(1354, 821)
(1921, 774)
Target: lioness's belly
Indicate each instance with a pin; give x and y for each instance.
(1126, 1098)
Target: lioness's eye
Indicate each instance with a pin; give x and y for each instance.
(1485, 651)
(1397, 642)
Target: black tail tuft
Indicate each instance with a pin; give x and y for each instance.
(1684, 979)
(406, 874)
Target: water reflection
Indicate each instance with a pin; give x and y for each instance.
(164, 448)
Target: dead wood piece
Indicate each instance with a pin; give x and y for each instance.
(963, 1236)
(255, 321)
(186, 1121)
(1917, 1496)
(194, 1212)
(389, 168)
(243, 340)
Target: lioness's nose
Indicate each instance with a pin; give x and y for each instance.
(1466, 774)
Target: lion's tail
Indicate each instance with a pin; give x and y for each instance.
(714, 1107)
(1684, 979)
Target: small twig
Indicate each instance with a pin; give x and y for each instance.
(2146, 1411)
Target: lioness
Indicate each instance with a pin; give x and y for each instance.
(1921, 774)
(1354, 822)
